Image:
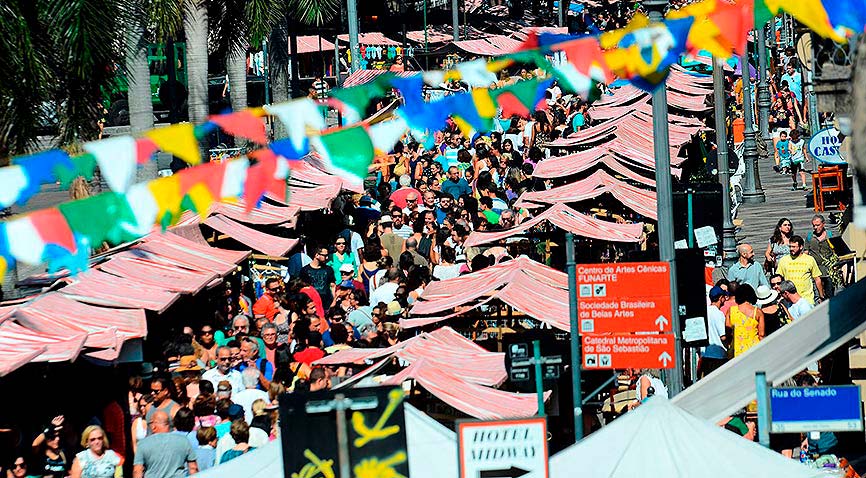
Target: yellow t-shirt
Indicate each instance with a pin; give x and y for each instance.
(801, 271)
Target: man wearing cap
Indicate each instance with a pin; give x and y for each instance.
(390, 241)
(347, 278)
(398, 197)
(715, 354)
(266, 306)
(745, 271)
(224, 371)
(799, 305)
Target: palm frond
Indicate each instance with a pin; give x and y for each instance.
(261, 18)
(164, 18)
(314, 12)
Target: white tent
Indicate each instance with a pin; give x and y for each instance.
(432, 453)
(661, 439)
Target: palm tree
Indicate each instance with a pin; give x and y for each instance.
(195, 29)
(58, 56)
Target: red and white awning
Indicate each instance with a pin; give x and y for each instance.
(569, 220)
(257, 240)
(370, 38)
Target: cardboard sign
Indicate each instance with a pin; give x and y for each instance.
(620, 351)
(624, 297)
(374, 424)
(503, 449)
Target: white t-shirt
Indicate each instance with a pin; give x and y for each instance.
(384, 293)
(446, 272)
(715, 325)
(245, 398)
(234, 377)
(801, 308)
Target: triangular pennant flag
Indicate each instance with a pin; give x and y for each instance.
(40, 168)
(242, 123)
(260, 177)
(166, 193)
(297, 116)
(475, 73)
(144, 207)
(349, 152)
(14, 181)
(386, 134)
(82, 165)
(117, 159)
(234, 178)
(286, 148)
(114, 212)
(145, 147)
(28, 235)
(179, 140)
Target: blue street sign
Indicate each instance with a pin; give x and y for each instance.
(808, 409)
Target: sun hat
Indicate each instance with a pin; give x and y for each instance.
(394, 308)
(766, 295)
(188, 363)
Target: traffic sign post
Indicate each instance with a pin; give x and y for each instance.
(835, 408)
(619, 351)
(545, 368)
(624, 297)
(502, 449)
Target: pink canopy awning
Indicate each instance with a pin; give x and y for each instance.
(20, 346)
(98, 288)
(312, 44)
(312, 199)
(370, 38)
(263, 214)
(175, 250)
(569, 220)
(641, 201)
(475, 400)
(536, 290)
(158, 274)
(489, 46)
(630, 165)
(444, 348)
(259, 241)
(312, 173)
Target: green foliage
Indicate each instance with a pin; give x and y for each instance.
(314, 12)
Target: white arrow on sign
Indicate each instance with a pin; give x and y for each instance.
(661, 321)
(664, 358)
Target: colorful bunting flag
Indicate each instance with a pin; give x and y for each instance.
(179, 140)
(242, 123)
(117, 158)
(39, 169)
(644, 55)
(297, 116)
(348, 152)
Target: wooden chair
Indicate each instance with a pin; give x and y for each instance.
(826, 180)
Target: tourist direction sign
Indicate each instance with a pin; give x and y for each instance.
(503, 448)
(816, 409)
(624, 297)
(618, 351)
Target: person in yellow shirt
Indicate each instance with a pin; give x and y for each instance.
(802, 270)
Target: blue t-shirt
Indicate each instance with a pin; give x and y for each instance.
(457, 189)
(782, 147)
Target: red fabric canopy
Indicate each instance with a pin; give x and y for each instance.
(313, 199)
(639, 200)
(158, 274)
(98, 288)
(470, 398)
(490, 46)
(307, 174)
(312, 44)
(370, 38)
(263, 214)
(532, 288)
(259, 241)
(444, 348)
(624, 164)
(569, 220)
(20, 346)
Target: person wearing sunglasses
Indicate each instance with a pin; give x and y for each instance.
(224, 371)
(18, 468)
(342, 258)
(96, 460)
(266, 306)
(46, 446)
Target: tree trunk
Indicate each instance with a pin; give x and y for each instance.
(195, 32)
(278, 52)
(236, 67)
(138, 95)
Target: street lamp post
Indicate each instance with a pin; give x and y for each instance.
(455, 19)
(729, 242)
(752, 191)
(664, 193)
(763, 93)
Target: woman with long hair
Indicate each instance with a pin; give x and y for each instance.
(777, 246)
(541, 130)
(46, 448)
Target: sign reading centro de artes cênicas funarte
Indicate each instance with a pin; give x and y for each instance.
(624, 315)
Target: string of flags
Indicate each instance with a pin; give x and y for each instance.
(641, 53)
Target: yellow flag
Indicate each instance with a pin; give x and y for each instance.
(179, 140)
(166, 193)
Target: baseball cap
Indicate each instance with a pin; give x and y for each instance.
(347, 268)
(716, 292)
(236, 411)
(348, 284)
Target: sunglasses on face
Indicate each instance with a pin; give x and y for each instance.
(274, 289)
(207, 332)
(775, 283)
(18, 465)
(340, 243)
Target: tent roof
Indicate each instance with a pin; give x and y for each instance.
(312, 44)
(475, 400)
(642, 201)
(257, 240)
(361, 77)
(660, 439)
(628, 162)
(158, 274)
(569, 220)
(488, 46)
(370, 38)
(312, 199)
(263, 214)
(443, 347)
(312, 173)
(532, 288)
(98, 288)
